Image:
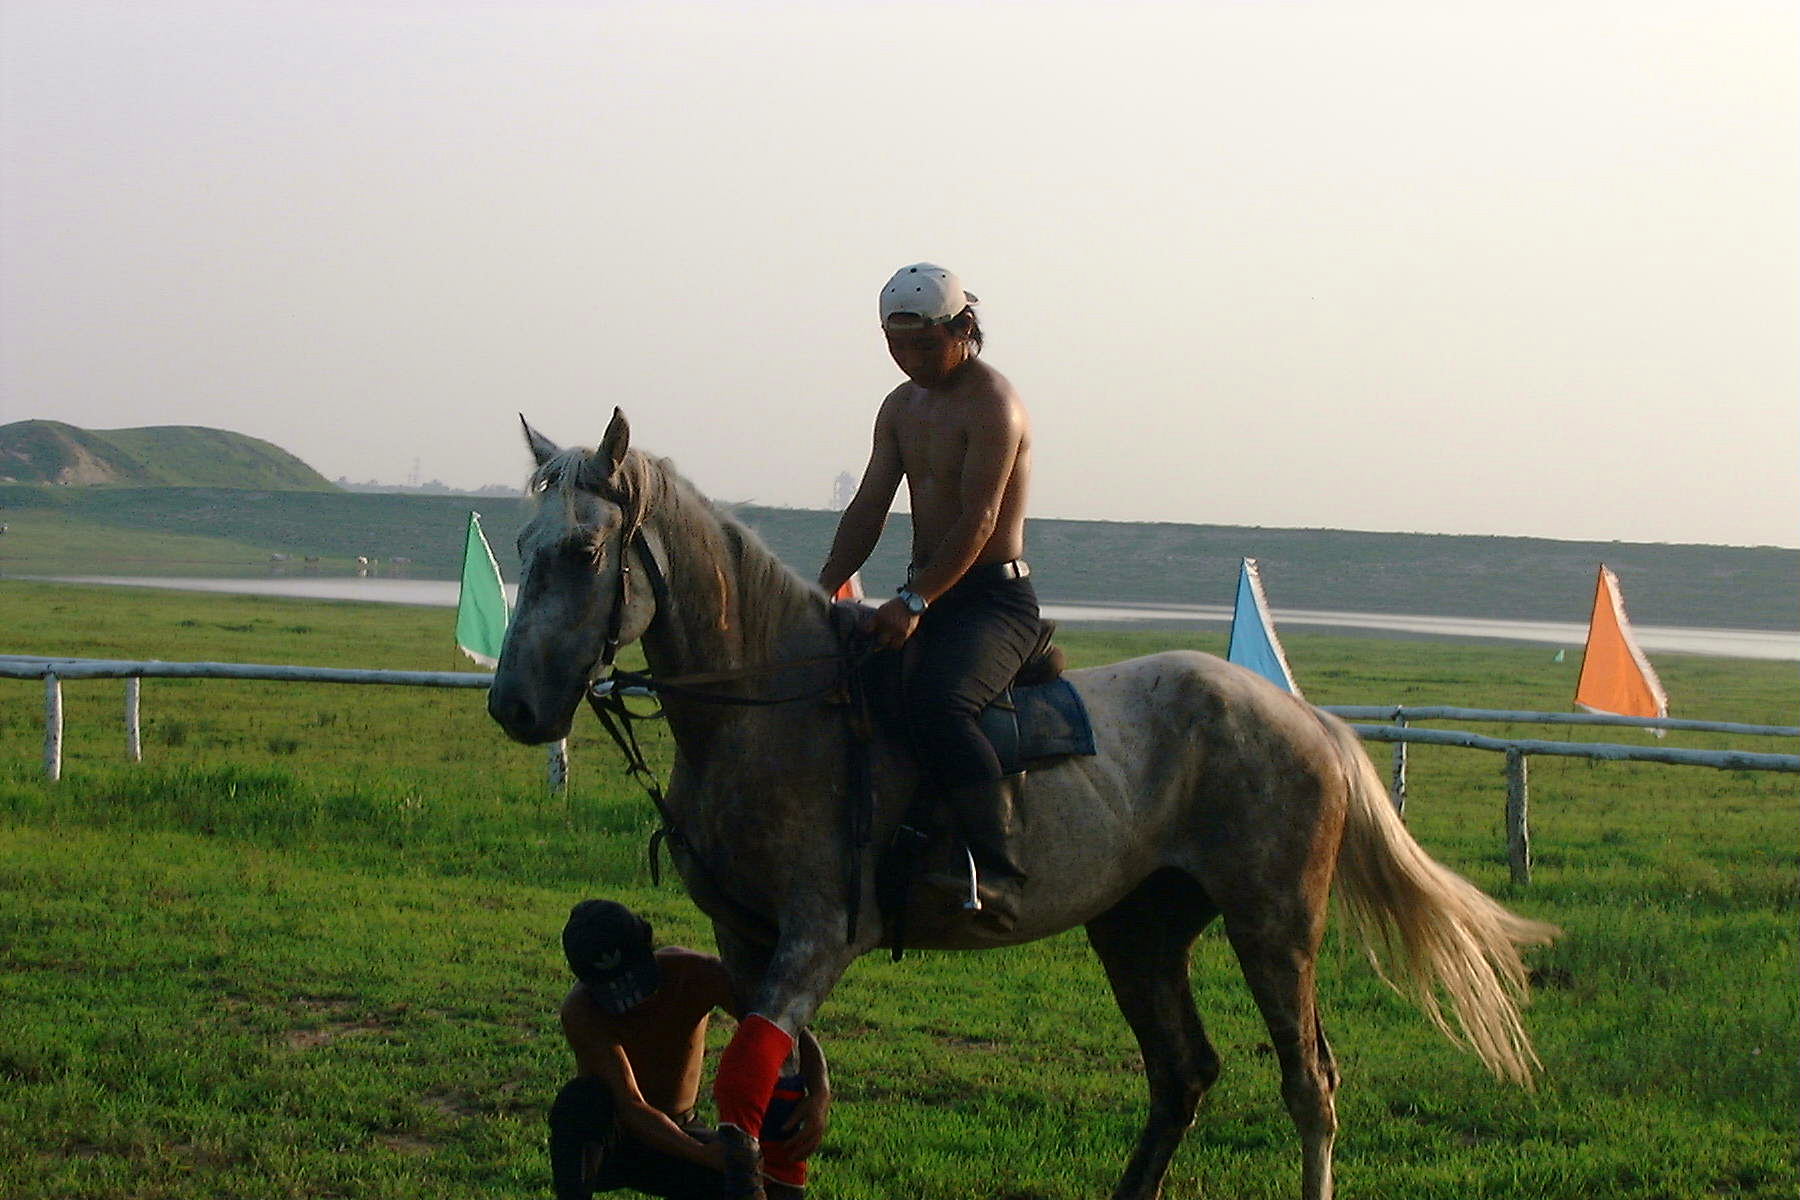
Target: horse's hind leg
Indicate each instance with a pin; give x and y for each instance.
(1277, 945)
(1143, 943)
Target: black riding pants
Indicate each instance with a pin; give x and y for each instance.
(966, 650)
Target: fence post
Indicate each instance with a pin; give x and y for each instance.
(134, 739)
(1398, 789)
(559, 766)
(53, 727)
(1518, 829)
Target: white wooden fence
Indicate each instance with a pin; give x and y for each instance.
(1518, 828)
(54, 670)
(1398, 729)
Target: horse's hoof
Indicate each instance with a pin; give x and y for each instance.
(743, 1165)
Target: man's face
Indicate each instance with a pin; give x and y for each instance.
(926, 355)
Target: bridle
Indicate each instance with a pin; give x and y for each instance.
(607, 687)
(606, 680)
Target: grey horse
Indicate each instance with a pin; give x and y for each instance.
(1213, 794)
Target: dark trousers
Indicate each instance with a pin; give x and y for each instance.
(587, 1117)
(966, 650)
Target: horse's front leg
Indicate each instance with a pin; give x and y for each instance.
(790, 984)
(806, 964)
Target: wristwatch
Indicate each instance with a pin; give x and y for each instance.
(915, 603)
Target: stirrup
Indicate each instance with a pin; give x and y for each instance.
(973, 903)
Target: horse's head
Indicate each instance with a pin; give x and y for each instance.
(572, 593)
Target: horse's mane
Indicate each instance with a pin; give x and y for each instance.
(710, 552)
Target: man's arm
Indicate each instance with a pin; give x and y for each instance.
(597, 1052)
(861, 525)
(993, 446)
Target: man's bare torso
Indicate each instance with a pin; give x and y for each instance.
(933, 429)
(665, 1037)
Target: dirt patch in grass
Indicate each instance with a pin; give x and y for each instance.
(324, 1035)
(452, 1103)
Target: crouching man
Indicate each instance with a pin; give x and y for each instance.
(636, 1020)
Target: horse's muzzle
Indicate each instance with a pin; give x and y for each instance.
(525, 722)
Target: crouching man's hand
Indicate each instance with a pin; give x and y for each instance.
(805, 1130)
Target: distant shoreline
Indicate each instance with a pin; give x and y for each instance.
(1726, 643)
(232, 532)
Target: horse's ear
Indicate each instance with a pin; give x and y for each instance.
(616, 441)
(542, 448)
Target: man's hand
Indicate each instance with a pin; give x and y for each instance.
(891, 624)
(804, 1130)
(712, 1150)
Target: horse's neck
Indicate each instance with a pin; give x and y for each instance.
(725, 612)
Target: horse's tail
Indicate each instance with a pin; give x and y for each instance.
(1432, 928)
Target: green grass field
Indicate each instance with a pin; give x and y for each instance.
(308, 949)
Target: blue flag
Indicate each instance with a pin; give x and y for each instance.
(1253, 641)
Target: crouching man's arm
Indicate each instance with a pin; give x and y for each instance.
(598, 1052)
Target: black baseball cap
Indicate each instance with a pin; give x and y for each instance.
(608, 947)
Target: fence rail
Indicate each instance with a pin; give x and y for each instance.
(1402, 714)
(1724, 760)
(24, 666)
(1517, 750)
(53, 670)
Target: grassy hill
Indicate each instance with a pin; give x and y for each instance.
(40, 452)
(223, 531)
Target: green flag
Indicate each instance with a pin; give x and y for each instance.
(481, 608)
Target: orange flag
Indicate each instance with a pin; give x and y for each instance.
(850, 589)
(1615, 675)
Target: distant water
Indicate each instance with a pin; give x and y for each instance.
(1725, 643)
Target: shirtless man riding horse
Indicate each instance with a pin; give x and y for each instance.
(958, 434)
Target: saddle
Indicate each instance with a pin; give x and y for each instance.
(1040, 716)
(1037, 720)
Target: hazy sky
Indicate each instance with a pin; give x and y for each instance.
(1511, 267)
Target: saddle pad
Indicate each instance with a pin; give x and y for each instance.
(1046, 720)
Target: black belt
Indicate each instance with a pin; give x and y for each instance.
(1000, 572)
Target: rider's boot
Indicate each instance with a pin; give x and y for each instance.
(988, 815)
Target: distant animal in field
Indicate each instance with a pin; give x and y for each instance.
(1213, 794)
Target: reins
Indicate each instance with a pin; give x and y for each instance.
(606, 697)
